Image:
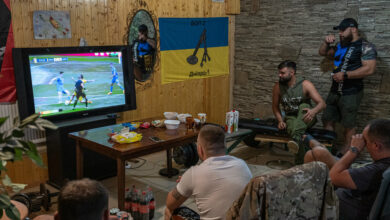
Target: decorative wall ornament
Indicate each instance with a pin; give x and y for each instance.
(134, 19)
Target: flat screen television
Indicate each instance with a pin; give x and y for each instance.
(63, 83)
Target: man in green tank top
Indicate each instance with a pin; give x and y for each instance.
(295, 95)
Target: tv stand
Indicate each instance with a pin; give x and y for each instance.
(61, 151)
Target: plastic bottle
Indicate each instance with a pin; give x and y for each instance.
(229, 122)
(152, 203)
(134, 203)
(236, 116)
(144, 207)
(127, 200)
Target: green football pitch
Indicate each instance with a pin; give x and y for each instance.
(98, 75)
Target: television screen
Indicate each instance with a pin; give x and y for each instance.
(74, 81)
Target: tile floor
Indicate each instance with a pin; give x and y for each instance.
(144, 172)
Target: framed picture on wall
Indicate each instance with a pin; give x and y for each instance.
(51, 24)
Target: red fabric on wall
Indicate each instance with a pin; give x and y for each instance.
(7, 79)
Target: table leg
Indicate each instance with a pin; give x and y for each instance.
(169, 171)
(79, 161)
(121, 183)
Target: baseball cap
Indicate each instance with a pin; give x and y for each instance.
(346, 23)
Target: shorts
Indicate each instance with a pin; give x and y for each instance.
(60, 89)
(114, 80)
(342, 108)
(185, 213)
(80, 93)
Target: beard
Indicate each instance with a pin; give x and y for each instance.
(346, 41)
(284, 81)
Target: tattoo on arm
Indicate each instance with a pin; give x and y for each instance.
(176, 194)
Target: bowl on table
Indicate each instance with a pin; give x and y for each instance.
(170, 115)
(172, 124)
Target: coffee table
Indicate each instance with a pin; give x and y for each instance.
(97, 140)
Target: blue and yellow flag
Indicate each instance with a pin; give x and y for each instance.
(193, 48)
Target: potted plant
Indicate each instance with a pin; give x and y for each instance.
(12, 148)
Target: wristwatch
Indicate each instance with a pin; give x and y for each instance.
(345, 75)
(354, 150)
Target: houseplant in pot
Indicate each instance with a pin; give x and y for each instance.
(13, 148)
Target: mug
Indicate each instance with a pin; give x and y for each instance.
(202, 117)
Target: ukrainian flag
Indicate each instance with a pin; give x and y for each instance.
(193, 48)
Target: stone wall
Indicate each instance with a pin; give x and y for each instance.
(269, 31)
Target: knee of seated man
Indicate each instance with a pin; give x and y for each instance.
(317, 153)
(304, 105)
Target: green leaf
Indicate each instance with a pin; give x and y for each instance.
(39, 126)
(18, 154)
(2, 120)
(16, 187)
(1, 213)
(13, 143)
(32, 126)
(30, 119)
(5, 201)
(34, 155)
(25, 145)
(12, 212)
(17, 133)
(6, 155)
(46, 124)
(16, 121)
(2, 168)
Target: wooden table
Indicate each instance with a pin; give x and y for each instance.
(98, 141)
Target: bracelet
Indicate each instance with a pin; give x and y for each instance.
(345, 75)
(354, 150)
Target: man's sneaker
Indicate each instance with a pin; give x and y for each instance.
(109, 93)
(293, 147)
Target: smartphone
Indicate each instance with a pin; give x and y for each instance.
(155, 139)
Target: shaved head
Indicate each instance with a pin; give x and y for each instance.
(212, 139)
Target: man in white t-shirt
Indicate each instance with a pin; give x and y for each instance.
(215, 183)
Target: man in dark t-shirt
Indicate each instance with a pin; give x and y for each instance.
(354, 58)
(358, 187)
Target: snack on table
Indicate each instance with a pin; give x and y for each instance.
(136, 124)
(145, 125)
(132, 125)
(158, 123)
(127, 137)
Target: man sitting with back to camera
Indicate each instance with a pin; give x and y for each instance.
(83, 199)
(295, 95)
(215, 183)
(358, 187)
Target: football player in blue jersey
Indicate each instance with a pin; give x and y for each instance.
(59, 80)
(115, 79)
